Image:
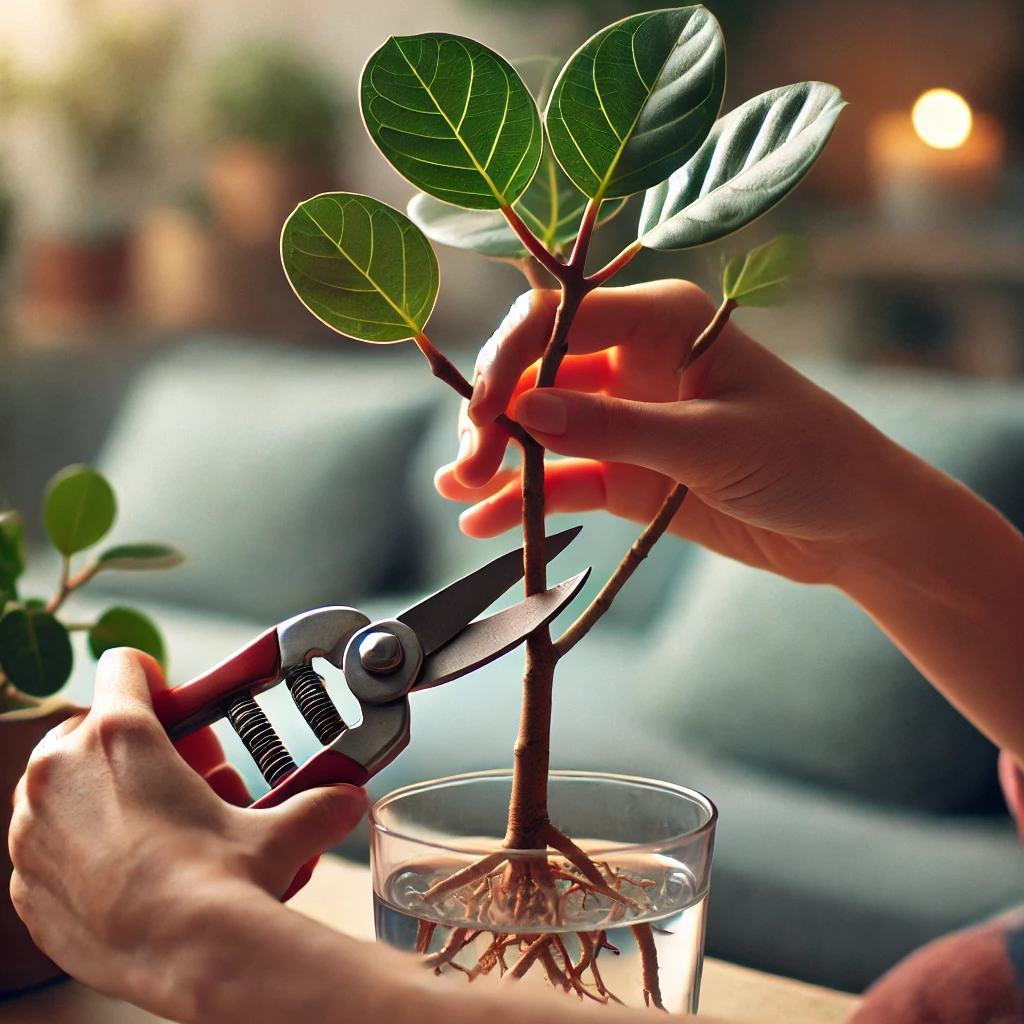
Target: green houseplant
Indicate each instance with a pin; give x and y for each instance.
(36, 654)
(634, 110)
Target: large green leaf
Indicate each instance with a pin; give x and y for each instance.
(637, 100)
(752, 159)
(452, 117)
(79, 508)
(125, 627)
(12, 556)
(140, 556)
(762, 276)
(361, 267)
(35, 651)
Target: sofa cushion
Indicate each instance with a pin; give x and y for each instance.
(279, 473)
(797, 679)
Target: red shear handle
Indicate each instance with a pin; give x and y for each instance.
(326, 768)
(194, 704)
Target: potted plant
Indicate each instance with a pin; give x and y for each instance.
(596, 884)
(90, 119)
(36, 655)
(273, 121)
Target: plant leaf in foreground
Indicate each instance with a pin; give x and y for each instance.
(35, 651)
(78, 509)
(452, 117)
(360, 266)
(637, 100)
(752, 159)
(125, 627)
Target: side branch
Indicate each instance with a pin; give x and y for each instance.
(445, 370)
(533, 244)
(609, 270)
(641, 547)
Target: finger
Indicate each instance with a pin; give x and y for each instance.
(481, 450)
(667, 437)
(202, 750)
(518, 342)
(662, 317)
(307, 824)
(126, 678)
(449, 486)
(227, 783)
(573, 486)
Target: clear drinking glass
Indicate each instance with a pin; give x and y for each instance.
(641, 940)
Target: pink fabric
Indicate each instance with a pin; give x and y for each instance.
(971, 977)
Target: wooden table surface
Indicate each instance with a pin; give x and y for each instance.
(339, 895)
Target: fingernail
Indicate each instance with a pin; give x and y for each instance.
(547, 414)
(466, 445)
(479, 392)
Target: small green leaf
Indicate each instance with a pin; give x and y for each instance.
(637, 100)
(12, 555)
(452, 117)
(761, 278)
(125, 627)
(35, 651)
(753, 158)
(361, 267)
(140, 556)
(79, 508)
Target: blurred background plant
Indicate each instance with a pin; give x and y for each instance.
(36, 656)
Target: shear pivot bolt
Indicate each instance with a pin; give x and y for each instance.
(380, 653)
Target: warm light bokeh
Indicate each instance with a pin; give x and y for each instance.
(943, 119)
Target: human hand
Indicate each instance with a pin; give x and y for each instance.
(778, 469)
(117, 842)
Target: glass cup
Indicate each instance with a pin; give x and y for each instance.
(618, 917)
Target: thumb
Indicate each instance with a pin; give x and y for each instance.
(663, 436)
(305, 825)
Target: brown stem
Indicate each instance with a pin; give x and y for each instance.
(648, 964)
(641, 547)
(445, 370)
(534, 246)
(63, 586)
(611, 268)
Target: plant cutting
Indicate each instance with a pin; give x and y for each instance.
(36, 654)
(635, 110)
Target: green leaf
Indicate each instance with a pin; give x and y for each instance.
(363, 268)
(551, 207)
(35, 651)
(125, 627)
(637, 100)
(452, 117)
(79, 507)
(752, 159)
(761, 277)
(12, 555)
(140, 556)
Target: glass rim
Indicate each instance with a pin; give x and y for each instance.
(693, 795)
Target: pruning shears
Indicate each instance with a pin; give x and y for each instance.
(439, 639)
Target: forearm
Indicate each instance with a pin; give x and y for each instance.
(944, 578)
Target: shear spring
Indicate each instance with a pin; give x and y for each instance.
(256, 732)
(314, 703)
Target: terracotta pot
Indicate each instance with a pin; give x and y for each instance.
(74, 274)
(22, 965)
(252, 189)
